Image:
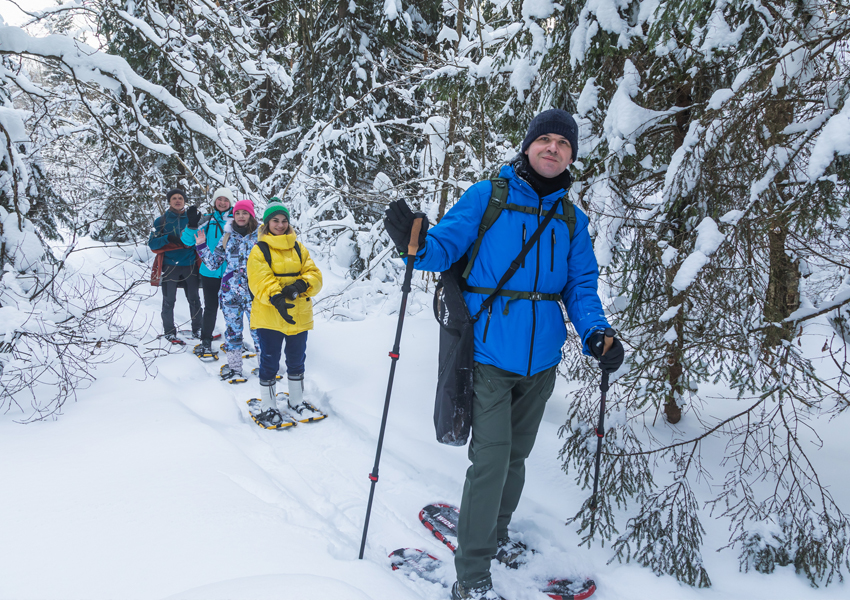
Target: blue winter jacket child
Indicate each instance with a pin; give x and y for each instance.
(518, 335)
(213, 226)
(172, 223)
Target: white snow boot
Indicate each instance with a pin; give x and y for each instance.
(268, 395)
(296, 389)
(305, 411)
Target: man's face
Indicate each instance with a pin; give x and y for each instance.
(177, 202)
(550, 154)
(222, 204)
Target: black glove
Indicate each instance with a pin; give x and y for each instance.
(194, 216)
(282, 306)
(173, 238)
(292, 290)
(398, 221)
(611, 360)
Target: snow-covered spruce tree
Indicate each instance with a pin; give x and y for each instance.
(55, 325)
(354, 69)
(483, 65)
(204, 57)
(451, 157)
(706, 303)
(602, 63)
(68, 322)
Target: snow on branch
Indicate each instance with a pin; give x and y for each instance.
(709, 239)
(112, 73)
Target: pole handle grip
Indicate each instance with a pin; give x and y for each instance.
(609, 339)
(413, 245)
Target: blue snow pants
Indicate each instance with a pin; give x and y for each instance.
(271, 344)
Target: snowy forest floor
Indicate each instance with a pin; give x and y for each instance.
(159, 485)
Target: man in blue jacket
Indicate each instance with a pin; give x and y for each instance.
(518, 341)
(179, 265)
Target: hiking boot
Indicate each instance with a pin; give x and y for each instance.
(204, 348)
(196, 334)
(173, 339)
(511, 553)
(484, 592)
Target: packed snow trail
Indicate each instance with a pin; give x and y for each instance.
(160, 486)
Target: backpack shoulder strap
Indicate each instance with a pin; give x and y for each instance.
(569, 210)
(498, 200)
(267, 254)
(298, 251)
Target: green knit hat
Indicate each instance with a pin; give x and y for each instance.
(275, 206)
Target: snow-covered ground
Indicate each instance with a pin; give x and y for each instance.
(160, 486)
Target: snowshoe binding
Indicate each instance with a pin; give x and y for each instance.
(205, 352)
(305, 412)
(231, 375)
(172, 339)
(268, 418)
(512, 553)
(302, 411)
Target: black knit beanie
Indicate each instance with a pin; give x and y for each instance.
(556, 121)
(170, 193)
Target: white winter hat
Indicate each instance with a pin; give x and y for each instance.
(223, 191)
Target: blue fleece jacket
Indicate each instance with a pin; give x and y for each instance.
(522, 336)
(168, 223)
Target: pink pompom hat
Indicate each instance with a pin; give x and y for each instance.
(245, 205)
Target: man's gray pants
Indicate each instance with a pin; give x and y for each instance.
(506, 412)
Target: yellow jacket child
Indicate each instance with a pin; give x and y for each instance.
(283, 280)
(288, 266)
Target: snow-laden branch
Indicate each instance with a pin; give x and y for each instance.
(115, 74)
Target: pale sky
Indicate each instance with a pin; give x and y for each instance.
(12, 16)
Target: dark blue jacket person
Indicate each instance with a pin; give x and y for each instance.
(517, 343)
(179, 268)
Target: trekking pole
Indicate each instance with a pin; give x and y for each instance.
(600, 430)
(412, 249)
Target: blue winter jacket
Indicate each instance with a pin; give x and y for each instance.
(171, 222)
(522, 336)
(213, 226)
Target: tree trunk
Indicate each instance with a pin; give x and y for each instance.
(451, 134)
(675, 351)
(783, 285)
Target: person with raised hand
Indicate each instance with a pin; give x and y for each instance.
(179, 264)
(212, 225)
